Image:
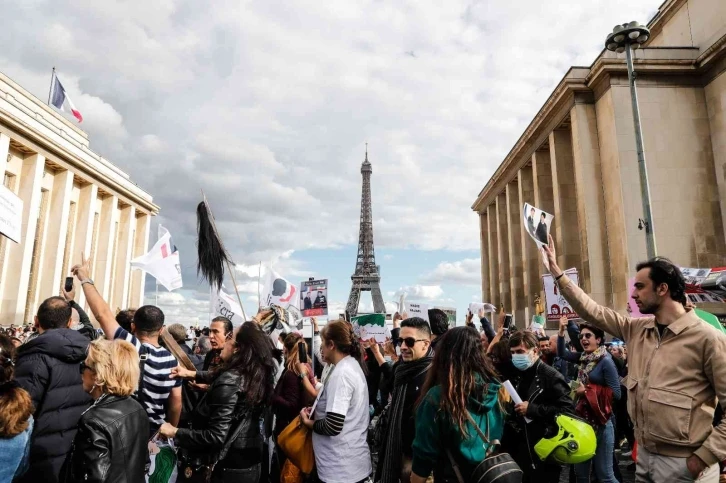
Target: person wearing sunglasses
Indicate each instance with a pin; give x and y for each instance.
(408, 375)
(597, 375)
(111, 442)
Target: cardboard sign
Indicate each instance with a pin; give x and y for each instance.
(314, 298)
(557, 306)
(369, 326)
(415, 309)
(11, 214)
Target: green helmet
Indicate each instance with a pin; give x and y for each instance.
(575, 442)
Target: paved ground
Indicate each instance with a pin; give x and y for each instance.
(627, 473)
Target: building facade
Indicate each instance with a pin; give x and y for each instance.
(74, 202)
(577, 160)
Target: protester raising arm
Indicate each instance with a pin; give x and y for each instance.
(99, 307)
(561, 349)
(602, 317)
(88, 329)
(486, 326)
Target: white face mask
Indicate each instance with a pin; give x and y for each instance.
(398, 350)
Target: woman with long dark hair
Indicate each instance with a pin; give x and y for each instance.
(340, 421)
(228, 416)
(461, 390)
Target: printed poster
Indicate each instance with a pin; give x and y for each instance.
(368, 326)
(537, 223)
(415, 309)
(11, 214)
(314, 298)
(557, 306)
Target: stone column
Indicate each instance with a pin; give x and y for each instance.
(565, 200)
(85, 211)
(15, 293)
(484, 238)
(124, 251)
(493, 255)
(138, 277)
(4, 149)
(104, 251)
(595, 277)
(503, 249)
(516, 269)
(52, 276)
(530, 254)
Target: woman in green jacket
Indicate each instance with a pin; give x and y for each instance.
(461, 379)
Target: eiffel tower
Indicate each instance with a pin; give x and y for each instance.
(366, 276)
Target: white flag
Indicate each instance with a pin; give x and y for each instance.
(161, 262)
(226, 306)
(278, 291)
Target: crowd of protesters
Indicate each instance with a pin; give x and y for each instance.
(432, 402)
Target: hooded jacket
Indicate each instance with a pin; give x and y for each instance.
(436, 432)
(48, 368)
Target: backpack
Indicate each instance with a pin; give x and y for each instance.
(499, 467)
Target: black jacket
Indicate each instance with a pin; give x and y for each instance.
(548, 395)
(48, 368)
(219, 412)
(111, 443)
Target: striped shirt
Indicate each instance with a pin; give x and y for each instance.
(156, 386)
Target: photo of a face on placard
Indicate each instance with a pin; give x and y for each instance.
(537, 223)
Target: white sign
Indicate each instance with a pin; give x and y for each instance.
(475, 307)
(415, 309)
(226, 306)
(538, 224)
(11, 214)
(557, 306)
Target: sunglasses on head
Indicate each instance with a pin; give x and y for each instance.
(83, 366)
(410, 341)
(587, 335)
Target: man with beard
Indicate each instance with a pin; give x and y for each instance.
(409, 375)
(675, 371)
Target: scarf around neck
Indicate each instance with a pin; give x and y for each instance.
(588, 361)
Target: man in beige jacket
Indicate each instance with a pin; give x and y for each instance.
(676, 372)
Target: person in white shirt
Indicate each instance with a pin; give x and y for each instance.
(340, 417)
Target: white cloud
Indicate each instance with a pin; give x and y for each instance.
(421, 292)
(465, 272)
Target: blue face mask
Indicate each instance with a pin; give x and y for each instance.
(522, 361)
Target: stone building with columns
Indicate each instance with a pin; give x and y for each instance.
(74, 201)
(577, 160)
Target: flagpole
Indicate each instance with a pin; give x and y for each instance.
(211, 310)
(229, 267)
(50, 90)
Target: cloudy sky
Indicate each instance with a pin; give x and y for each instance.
(267, 107)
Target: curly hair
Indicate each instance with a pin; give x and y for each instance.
(459, 367)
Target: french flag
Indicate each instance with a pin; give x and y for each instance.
(59, 97)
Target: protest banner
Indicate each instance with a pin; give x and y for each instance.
(11, 214)
(369, 326)
(695, 276)
(314, 298)
(225, 306)
(450, 315)
(557, 306)
(538, 224)
(415, 309)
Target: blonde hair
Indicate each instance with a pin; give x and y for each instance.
(116, 364)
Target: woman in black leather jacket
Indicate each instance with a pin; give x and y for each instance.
(111, 444)
(229, 415)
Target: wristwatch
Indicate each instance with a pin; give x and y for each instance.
(303, 375)
(88, 280)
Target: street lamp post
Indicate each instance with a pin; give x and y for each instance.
(626, 38)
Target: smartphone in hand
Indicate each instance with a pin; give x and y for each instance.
(301, 354)
(69, 284)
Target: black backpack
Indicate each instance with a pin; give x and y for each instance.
(496, 467)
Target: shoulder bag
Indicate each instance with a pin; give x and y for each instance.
(496, 467)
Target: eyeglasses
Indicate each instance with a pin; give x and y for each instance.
(83, 366)
(410, 341)
(586, 335)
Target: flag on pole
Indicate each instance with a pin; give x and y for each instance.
(59, 97)
(161, 262)
(224, 305)
(278, 291)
